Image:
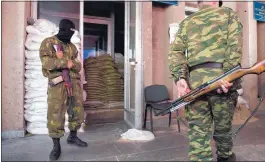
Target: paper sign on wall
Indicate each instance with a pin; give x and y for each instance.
(173, 29)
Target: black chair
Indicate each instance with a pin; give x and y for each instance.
(157, 98)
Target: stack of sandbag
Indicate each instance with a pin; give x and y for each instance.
(119, 61)
(94, 83)
(112, 79)
(104, 83)
(35, 83)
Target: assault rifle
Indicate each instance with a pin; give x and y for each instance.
(231, 75)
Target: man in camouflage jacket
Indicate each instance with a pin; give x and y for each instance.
(53, 62)
(212, 38)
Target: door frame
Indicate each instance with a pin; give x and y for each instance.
(134, 119)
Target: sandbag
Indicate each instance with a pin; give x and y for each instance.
(75, 40)
(36, 118)
(32, 55)
(29, 62)
(38, 99)
(36, 105)
(45, 26)
(33, 67)
(32, 94)
(35, 38)
(32, 30)
(36, 83)
(36, 112)
(32, 46)
(37, 130)
(34, 76)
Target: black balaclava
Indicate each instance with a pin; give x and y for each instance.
(65, 33)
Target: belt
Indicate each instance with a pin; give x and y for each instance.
(206, 65)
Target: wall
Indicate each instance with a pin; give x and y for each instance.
(13, 37)
(249, 58)
(147, 43)
(261, 54)
(162, 17)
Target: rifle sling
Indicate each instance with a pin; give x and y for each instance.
(206, 65)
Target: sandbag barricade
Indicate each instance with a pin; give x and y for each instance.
(104, 82)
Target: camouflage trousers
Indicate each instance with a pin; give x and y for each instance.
(58, 105)
(207, 115)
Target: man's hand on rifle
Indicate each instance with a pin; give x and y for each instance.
(182, 87)
(225, 85)
(59, 54)
(70, 64)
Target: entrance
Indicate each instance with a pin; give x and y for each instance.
(108, 30)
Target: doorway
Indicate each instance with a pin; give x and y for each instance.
(113, 29)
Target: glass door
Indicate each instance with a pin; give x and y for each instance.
(133, 65)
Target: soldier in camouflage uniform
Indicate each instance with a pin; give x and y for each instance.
(212, 37)
(52, 64)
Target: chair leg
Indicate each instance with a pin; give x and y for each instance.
(178, 120)
(145, 115)
(169, 120)
(151, 119)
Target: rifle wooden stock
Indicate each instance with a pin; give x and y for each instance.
(233, 74)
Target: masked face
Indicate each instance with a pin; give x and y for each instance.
(66, 30)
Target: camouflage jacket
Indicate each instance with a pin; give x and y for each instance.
(209, 35)
(51, 65)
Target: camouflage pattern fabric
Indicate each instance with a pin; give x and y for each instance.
(209, 35)
(217, 109)
(51, 65)
(57, 95)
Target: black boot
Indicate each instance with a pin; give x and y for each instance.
(56, 151)
(73, 139)
(229, 159)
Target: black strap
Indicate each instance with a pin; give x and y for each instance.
(206, 65)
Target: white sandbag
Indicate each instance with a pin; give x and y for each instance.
(45, 26)
(37, 124)
(29, 62)
(75, 40)
(34, 72)
(78, 47)
(34, 76)
(37, 89)
(36, 112)
(32, 46)
(38, 99)
(35, 118)
(36, 105)
(34, 83)
(34, 94)
(32, 30)
(37, 130)
(33, 67)
(35, 38)
(32, 55)
(137, 135)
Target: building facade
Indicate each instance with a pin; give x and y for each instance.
(151, 38)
